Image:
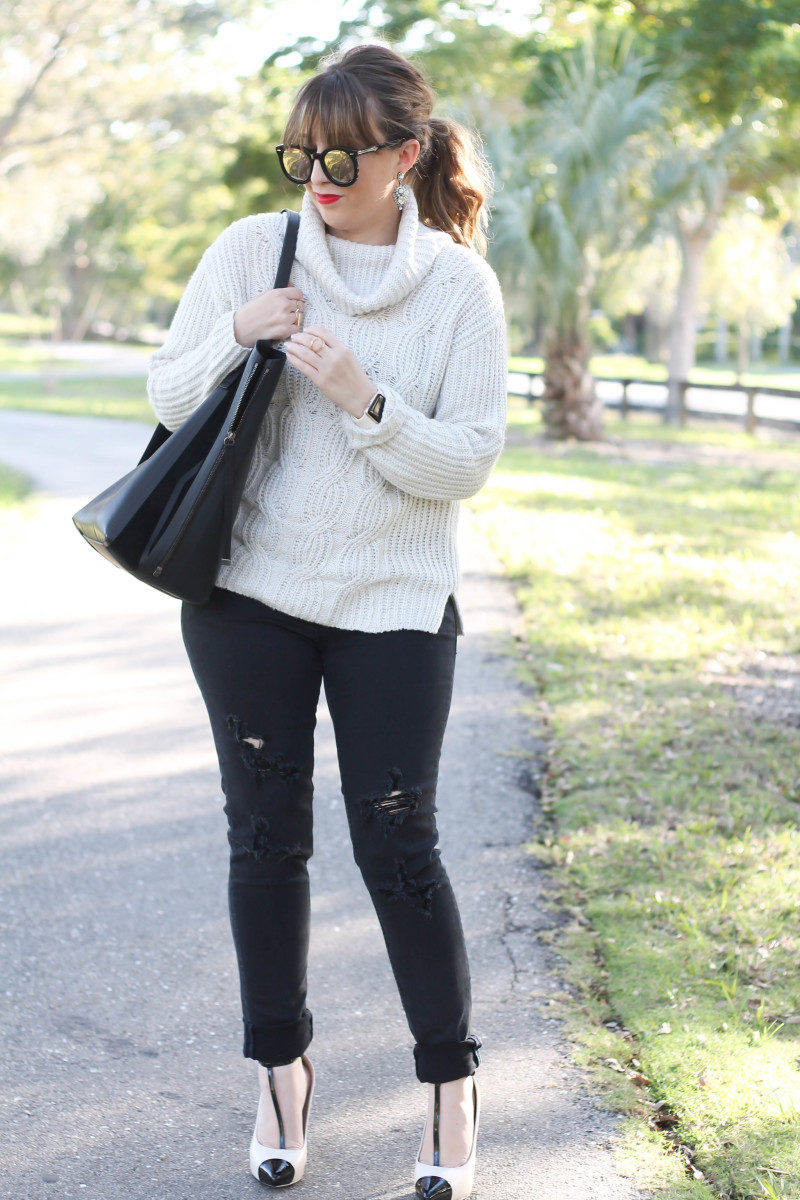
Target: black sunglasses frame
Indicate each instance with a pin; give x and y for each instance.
(314, 154)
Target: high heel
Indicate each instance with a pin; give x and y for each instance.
(278, 1166)
(434, 1182)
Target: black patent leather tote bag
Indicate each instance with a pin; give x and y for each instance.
(169, 521)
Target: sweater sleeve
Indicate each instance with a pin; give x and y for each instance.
(450, 455)
(200, 348)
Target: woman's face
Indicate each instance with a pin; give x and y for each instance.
(369, 200)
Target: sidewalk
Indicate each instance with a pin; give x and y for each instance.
(121, 1069)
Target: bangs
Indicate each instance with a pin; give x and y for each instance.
(334, 105)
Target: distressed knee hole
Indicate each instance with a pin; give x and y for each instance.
(259, 845)
(391, 808)
(407, 887)
(254, 755)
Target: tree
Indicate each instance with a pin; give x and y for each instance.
(693, 180)
(644, 280)
(582, 202)
(92, 97)
(750, 279)
(734, 116)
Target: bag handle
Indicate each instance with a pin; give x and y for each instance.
(161, 433)
(289, 244)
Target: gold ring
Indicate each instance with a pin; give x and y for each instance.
(317, 349)
(297, 317)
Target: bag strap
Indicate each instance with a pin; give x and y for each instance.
(161, 433)
(289, 245)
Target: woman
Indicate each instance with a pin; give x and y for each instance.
(391, 408)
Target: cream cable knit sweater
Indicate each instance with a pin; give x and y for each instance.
(342, 521)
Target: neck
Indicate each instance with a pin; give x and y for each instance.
(381, 231)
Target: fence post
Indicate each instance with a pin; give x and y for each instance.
(530, 390)
(750, 416)
(682, 389)
(623, 407)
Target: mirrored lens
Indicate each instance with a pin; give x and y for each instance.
(339, 166)
(297, 163)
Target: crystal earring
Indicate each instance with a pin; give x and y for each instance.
(401, 191)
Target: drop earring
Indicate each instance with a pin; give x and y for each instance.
(401, 191)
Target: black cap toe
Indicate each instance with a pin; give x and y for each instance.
(433, 1187)
(277, 1172)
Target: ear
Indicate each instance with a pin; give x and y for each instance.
(408, 155)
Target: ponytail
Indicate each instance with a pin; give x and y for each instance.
(452, 181)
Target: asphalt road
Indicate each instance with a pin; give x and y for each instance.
(121, 1073)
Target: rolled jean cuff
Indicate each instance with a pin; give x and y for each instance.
(274, 1045)
(440, 1064)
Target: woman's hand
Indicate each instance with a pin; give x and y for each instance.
(272, 316)
(332, 367)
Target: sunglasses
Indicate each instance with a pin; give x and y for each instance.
(339, 164)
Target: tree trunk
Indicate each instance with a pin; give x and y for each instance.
(572, 408)
(85, 318)
(742, 348)
(629, 339)
(19, 298)
(682, 330)
(57, 333)
(654, 338)
(721, 341)
(784, 342)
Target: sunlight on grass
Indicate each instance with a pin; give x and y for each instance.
(124, 397)
(650, 588)
(14, 486)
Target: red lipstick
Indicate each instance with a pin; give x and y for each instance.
(325, 197)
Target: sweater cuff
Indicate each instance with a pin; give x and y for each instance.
(363, 431)
(229, 347)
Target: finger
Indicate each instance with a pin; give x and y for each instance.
(303, 351)
(292, 293)
(325, 334)
(299, 354)
(303, 337)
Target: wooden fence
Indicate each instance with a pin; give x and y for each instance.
(757, 405)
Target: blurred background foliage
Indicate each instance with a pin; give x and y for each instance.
(627, 140)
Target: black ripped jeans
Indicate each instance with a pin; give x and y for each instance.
(259, 671)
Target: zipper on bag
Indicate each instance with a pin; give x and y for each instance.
(227, 511)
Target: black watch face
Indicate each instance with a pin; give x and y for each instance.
(375, 409)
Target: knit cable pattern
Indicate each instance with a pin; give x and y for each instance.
(342, 521)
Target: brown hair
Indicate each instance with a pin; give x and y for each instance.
(372, 91)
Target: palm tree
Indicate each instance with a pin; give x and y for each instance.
(572, 187)
(696, 168)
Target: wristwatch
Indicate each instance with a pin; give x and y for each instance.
(375, 407)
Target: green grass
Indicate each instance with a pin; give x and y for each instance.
(19, 356)
(24, 355)
(670, 825)
(13, 326)
(525, 423)
(14, 486)
(97, 396)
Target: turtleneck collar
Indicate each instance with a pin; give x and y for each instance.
(414, 252)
